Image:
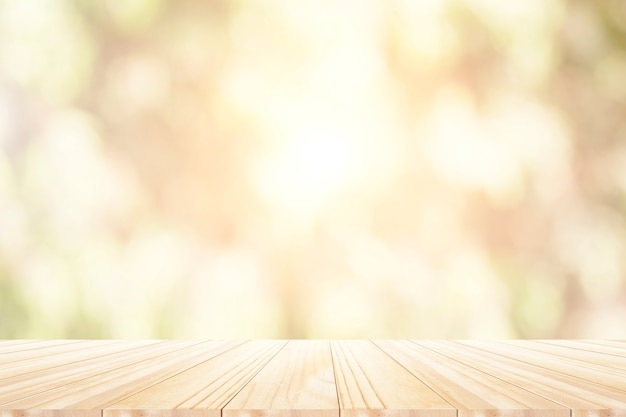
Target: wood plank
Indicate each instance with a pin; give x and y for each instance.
(609, 343)
(72, 360)
(584, 399)
(109, 382)
(202, 389)
(50, 413)
(42, 352)
(472, 378)
(583, 345)
(371, 383)
(299, 380)
(39, 347)
(598, 374)
(473, 392)
(14, 342)
(162, 412)
(613, 362)
(45, 379)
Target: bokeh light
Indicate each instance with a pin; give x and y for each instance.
(312, 169)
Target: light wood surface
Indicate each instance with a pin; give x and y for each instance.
(472, 391)
(298, 380)
(371, 383)
(583, 398)
(313, 378)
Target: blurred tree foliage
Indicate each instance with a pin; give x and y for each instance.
(233, 168)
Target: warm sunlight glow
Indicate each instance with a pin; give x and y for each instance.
(312, 169)
(303, 175)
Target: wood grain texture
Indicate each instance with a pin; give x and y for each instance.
(299, 380)
(208, 385)
(578, 395)
(614, 363)
(11, 358)
(49, 413)
(37, 348)
(313, 378)
(473, 392)
(591, 346)
(371, 383)
(27, 389)
(14, 342)
(73, 359)
(598, 374)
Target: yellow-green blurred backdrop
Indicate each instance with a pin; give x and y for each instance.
(312, 168)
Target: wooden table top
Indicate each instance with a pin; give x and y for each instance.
(317, 378)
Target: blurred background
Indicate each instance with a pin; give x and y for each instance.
(312, 169)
